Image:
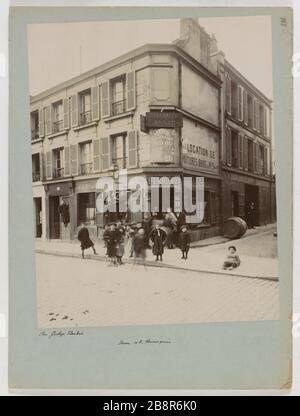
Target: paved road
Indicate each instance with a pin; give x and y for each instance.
(75, 292)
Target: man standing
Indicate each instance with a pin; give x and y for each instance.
(158, 237)
(84, 238)
(251, 215)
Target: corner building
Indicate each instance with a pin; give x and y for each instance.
(159, 110)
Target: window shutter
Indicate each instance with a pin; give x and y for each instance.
(49, 165)
(240, 103)
(130, 94)
(257, 158)
(228, 146)
(245, 152)
(254, 114)
(41, 166)
(41, 123)
(105, 153)
(51, 118)
(132, 149)
(266, 161)
(96, 153)
(105, 102)
(95, 103)
(240, 150)
(66, 124)
(74, 159)
(228, 94)
(245, 106)
(74, 110)
(67, 161)
(254, 157)
(47, 120)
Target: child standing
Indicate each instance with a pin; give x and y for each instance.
(184, 241)
(233, 259)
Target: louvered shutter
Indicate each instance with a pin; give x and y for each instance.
(240, 103)
(254, 158)
(47, 120)
(228, 94)
(41, 123)
(132, 149)
(228, 146)
(105, 101)
(105, 153)
(74, 110)
(74, 159)
(245, 106)
(41, 166)
(240, 150)
(245, 152)
(130, 90)
(265, 161)
(51, 118)
(95, 103)
(66, 122)
(96, 155)
(67, 161)
(254, 114)
(49, 165)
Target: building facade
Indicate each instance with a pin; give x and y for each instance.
(162, 110)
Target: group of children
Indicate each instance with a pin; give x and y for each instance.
(118, 235)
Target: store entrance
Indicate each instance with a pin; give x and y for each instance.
(54, 217)
(252, 195)
(38, 217)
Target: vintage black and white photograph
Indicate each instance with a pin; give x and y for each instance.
(153, 171)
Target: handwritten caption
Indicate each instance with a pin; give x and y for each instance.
(145, 341)
(60, 333)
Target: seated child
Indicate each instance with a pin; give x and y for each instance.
(233, 259)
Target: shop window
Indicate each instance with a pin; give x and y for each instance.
(86, 208)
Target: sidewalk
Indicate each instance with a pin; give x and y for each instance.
(206, 256)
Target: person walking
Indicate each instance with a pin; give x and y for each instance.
(184, 241)
(251, 215)
(120, 243)
(129, 233)
(112, 239)
(139, 246)
(171, 222)
(84, 238)
(158, 238)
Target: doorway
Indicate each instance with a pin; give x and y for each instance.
(235, 204)
(252, 195)
(38, 217)
(54, 217)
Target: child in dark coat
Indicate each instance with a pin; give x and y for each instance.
(84, 238)
(184, 241)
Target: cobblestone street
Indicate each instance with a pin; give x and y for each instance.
(75, 292)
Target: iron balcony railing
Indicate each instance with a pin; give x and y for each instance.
(57, 126)
(34, 134)
(118, 107)
(85, 118)
(85, 168)
(36, 176)
(58, 172)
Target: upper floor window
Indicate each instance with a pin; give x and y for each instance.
(250, 110)
(85, 115)
(85, 158)
(34, 120)
(119, 151)
(234, 149)
(58, 116)
(58, 162)
(118, 103)
(36, 173)
(234, 99)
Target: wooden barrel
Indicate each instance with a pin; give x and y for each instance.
(234, 227)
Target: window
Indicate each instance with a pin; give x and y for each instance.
(58, 164)
(118, 101)
(234, 149)
(36, 175)
(119, 151)
(85, 155)
(85, 107)
(86, 208)
(34, 119)
(58, 116)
